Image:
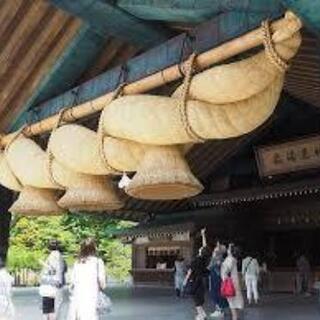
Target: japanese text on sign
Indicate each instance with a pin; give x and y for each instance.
(289, 157)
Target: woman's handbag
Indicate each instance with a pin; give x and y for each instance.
(104, 304)
(228, 289)
(189, 288)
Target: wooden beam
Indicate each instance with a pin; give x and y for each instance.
(26, 57)
(49, 53)
(194, 11)
(13, 9)
(23, 30)
(78, 56)
(109, 20)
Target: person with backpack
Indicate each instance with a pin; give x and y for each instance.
(250, 273)
(51, 281)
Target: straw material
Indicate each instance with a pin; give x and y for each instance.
(239, 80)
(36, 202)
(83, 191)
(164, 125)
(29, 163)
(164, 175)
(76, 147)
(98, 195)
(222, 102)
(7, 178)
(123, 154)
(234, 119)
(146, 119)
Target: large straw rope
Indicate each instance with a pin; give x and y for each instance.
(245, 78)
(14, 138)
(159, 120)
(7, 176)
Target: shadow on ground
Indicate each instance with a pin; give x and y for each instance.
(160, 304)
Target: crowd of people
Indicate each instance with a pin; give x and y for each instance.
(214, 272)
(217, 273)
(221, 268)
(87, 282)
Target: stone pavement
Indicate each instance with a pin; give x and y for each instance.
(159, 304)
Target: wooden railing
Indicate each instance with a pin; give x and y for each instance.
(26, 278)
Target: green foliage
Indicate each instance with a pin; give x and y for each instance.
(19, 258)
(30, 237)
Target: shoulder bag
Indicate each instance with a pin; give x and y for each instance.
(104, 304)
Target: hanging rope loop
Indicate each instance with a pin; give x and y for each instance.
(50, 156)
(188, 48)
(183, 105)
(118, 92)
(270, 50)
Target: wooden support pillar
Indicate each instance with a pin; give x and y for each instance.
(5, 219)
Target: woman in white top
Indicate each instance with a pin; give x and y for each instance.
(88, 278)
(51, 283)
(6, 282)
(250, 272)
(229, 268)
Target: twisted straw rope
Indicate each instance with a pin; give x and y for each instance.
(50, 157)
(14, 138)
(183, 106)
(270, 50)
(101, 132)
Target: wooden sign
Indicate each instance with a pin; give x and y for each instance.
(293, 156)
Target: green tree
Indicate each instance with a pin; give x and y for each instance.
(30, 237)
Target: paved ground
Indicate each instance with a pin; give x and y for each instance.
(158, 304)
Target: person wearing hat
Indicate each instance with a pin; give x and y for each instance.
(52, 280)
(6, 282)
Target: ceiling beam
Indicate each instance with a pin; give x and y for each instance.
(191, 11)
(75, 60)
(109, 20)
(207, 36)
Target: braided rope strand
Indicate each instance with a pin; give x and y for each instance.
(101, 132)
(50, 156)
(270, 50)
(183, 105)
